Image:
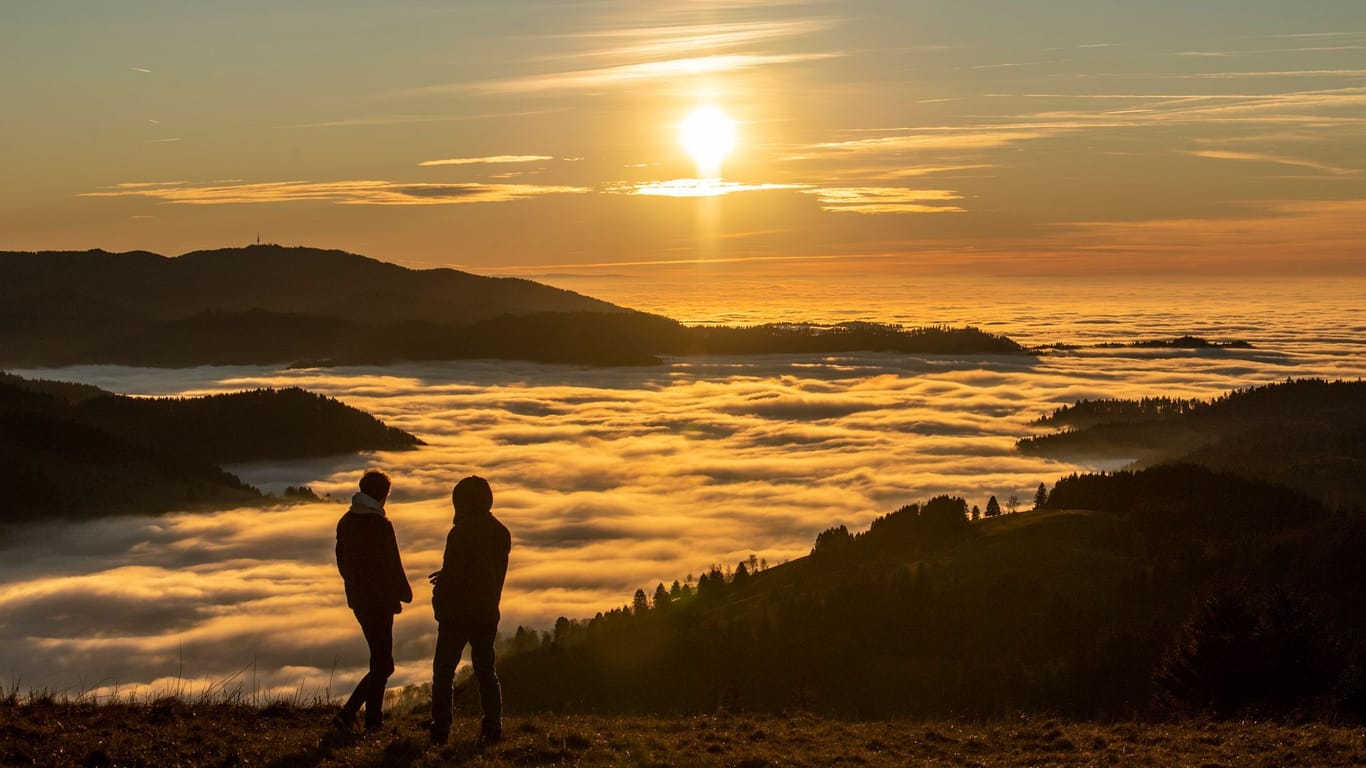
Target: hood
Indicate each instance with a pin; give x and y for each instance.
(364, 504)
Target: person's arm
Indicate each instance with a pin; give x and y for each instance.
(345, 552)
(503, 553)
(402, 588)
(448, 558)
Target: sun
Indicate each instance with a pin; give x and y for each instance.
(708, 135)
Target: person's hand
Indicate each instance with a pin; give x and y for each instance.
(434, 577)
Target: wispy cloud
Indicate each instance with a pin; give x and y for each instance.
(383, 120)
(140, 69)
(973, 137)
(1226, 75)
(625, 74)
(695, 188)
(1312, 108)
(1323, 234)
(1297, 35)
(606, 55)
(364, 192)
(1257, 157)
(671, 40)
(926, 170)
(491, 159)
(877, 200)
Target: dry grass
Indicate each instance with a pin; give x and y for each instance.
(170, 732)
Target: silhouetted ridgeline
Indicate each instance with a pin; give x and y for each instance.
(1168, 589)
(1180, 342)
(269, 304)
(84, 452)
(1307, 434)
(1109, 609)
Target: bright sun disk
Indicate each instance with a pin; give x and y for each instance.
(708, 136)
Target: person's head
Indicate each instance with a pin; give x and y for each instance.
(472, 496)
(375, 484)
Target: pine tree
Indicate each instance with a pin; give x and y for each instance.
(741, 577)
(993, 507)
(1040, 496)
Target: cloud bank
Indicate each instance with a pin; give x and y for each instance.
(610, 480)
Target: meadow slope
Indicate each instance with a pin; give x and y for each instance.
(46, 732)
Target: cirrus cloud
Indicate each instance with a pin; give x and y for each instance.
(363, 192)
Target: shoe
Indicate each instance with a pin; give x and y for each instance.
(439, 735)
(490, 736)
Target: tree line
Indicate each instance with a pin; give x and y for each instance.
(1085, 606)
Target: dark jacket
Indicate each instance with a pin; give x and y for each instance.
(467, 592)
(367, 556)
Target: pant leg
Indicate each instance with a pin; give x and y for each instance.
(490, 693)
(450, 644)
(378, 629)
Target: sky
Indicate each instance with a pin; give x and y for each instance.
(1059, 137)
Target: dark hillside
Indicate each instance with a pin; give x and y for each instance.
(1062, 610)
(267, 304)
(71, 470)
(307, 281)
(245, 426)
(1307, 434)
(259, 304)
(83, 452)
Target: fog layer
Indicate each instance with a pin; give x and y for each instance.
(609, 479)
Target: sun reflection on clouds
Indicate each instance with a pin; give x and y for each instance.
(710, 187)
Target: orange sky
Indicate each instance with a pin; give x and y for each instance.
(1079, 137)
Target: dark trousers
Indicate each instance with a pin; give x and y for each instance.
(379, 635)
(450, 644)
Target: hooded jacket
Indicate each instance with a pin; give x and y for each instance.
(368, 559)
(473, 569)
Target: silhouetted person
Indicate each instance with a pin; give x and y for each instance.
(367, 556)
(465, 597)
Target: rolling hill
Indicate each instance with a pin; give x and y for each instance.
(1227, 584)
(79, 452)
(1308, 434)
(267, 304)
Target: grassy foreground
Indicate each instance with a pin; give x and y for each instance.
(178, 733)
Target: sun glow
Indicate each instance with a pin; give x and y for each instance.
(708, 136)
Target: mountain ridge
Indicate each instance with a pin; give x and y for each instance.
(278, 278)
(85, 453)
(269, 304)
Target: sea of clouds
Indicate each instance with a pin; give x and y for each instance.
(609, 479)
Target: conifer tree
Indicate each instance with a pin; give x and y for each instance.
(993, 507)
(741, 577)
(662, 597)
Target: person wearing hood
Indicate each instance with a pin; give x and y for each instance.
(465, 596)
(367, 556)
